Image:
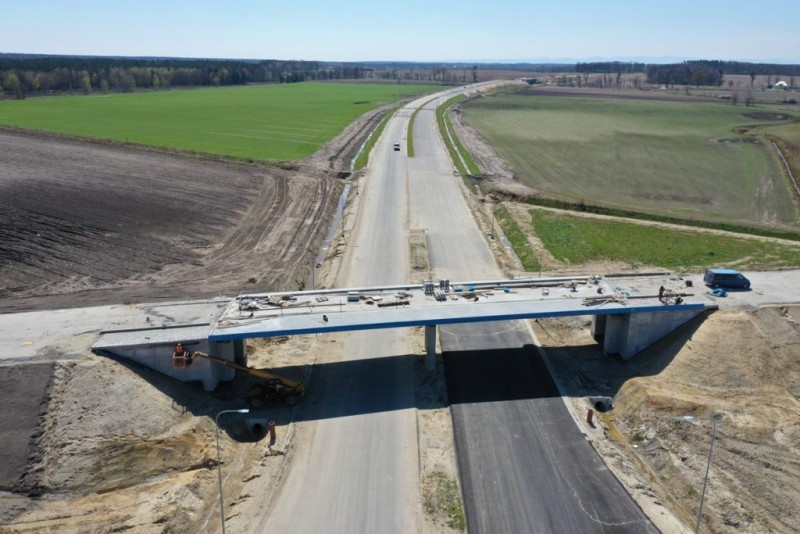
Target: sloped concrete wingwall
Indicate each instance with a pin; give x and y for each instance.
(630, 333)
(159, 358)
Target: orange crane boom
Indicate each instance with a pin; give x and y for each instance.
(274, 387)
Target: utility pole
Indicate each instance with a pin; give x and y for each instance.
(714, 419)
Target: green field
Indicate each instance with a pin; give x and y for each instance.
(680, 159)
(789, 132)
(264, 122)
(575, 240)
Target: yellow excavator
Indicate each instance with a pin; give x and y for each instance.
(269, 388)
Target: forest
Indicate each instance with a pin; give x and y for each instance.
(26, 75)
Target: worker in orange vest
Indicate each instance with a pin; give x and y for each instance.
(182, 354)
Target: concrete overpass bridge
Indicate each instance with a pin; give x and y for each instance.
(628, 314)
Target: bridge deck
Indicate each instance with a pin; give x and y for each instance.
(311, 312)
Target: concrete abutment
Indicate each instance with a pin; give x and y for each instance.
(627, 334)
(158, 356)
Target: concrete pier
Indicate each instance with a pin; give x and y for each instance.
(628, 334)
(430, 347)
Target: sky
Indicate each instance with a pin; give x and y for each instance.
(407, 30)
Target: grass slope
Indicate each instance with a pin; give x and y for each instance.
(576, 240)
(452, 142)
(652, 156)
(266, 122)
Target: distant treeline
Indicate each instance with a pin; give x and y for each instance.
(739, 67)
(36, 75)
(713, 72)
(27, 74)
(610, 67)
(522, 67)
(696, 72)
(30, 74)
(684, 74)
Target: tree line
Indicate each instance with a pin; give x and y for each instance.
(695, 72)
(22, 75)
(30, 75)
(741, 67)
(686, 73)
(610, 67)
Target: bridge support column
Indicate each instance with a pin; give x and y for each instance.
(430, 347)
(598, 327)
(630, 333)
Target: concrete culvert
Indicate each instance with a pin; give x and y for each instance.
(602, 404)
(257, 426)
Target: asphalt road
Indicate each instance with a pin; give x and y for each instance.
(356, 468)
(524, 465)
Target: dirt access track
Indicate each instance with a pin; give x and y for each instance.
(85, 224)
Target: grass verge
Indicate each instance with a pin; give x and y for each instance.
(363, 156)
(443, 500)
(518, 239)
(410, 139)
(628, 214)
(453, 144)
(575, 240)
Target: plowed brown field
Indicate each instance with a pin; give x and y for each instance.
(86, 224)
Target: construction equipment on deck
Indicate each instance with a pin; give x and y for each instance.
(269, 387)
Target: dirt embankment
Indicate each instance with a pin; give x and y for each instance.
(337, 155)
(107, 430)
(498, 178)
(740, 365)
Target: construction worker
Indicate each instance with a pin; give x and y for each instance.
(181, 355)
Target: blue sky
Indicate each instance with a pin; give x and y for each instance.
(407, 30)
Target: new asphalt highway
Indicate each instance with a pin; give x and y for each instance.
(524, 465)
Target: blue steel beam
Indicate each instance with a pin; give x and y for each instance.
(320, 323)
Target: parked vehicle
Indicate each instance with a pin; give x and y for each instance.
(725, 278)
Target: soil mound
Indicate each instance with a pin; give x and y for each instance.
(744, 367)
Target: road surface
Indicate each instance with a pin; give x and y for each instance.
(355, 470)
(524, 465)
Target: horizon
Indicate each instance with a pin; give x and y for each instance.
(532, 61)
(414, 32)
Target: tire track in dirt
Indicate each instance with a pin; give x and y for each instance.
(776, 499)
